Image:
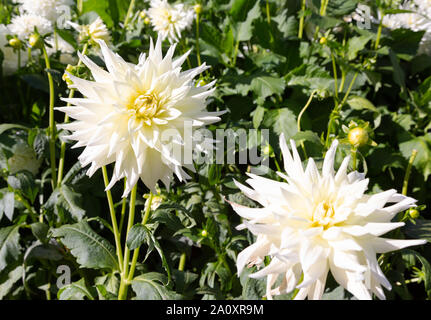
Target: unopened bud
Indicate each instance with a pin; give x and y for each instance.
(413, 213)
(322, 40)
(358, 137)
(204, 233)
(15, 43)
(198, 8)
(35, 41)
(147, 20)
(142, 14)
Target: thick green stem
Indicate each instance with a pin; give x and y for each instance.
(66, 119)
(136, 251)
(198, 52)
(182, 263)
(51, 128)
(123, 208)
(122, 294)
(129, 13)
(113, 219)
(408, 171)
(354, 158)
(268, 14)
(301, 20)
(379, 32)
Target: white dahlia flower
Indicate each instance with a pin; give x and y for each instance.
(24, 25)
(169, 21)
(48, 9)
(417, 20)
(316, 222)
(10, 57)
(24, 158)
(129, 109)
(94, 32)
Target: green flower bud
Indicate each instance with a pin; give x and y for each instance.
(35, 41)
(204, 233)
(142, 14)
(198, 8)
(413, 213)
(15, 43)
(358, 137)
(323, 40)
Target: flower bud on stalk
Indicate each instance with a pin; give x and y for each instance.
(322, 40)
(142, 14)
(358, 137)
(15, 43)
(198, 8)
(35, 41)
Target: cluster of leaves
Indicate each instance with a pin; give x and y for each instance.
(265, 75)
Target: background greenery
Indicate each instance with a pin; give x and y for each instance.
(265, 75)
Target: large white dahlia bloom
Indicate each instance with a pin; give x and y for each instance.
(24, 25)
(48, 9)
(316, 222)
(128, 110)
(169, 21)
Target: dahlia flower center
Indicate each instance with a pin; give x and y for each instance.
(145, 106)
(323, 215)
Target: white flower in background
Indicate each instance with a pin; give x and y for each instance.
(24, 158)
(24, 25)
(67, 51)
(417, 20)
(48, 9)
(169, 21)
(10, 57)
(128, 109)
(155, 202)
(95, 31)
(316, 222)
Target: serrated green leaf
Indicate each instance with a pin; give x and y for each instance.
(10, 248)
(90, 249)
(151, 286)
(75, 291)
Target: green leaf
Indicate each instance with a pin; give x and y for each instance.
(40, 231)
(90, 249)
(10, 249)
(360, 103)
(281, 121)
(420, 229)
(336, 294)
(423, 159)
(309, 136)
(8, 278)
(7, 204)
(244, 30)
(150, 286)
(44, 251)
(138, 235)
(398, 73)
(266, 86)
(7, 126)
(24, 182)
(356, 44)
(258, 115)
(75, 291)
(65, 198)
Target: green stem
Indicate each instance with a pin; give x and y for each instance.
(19, 59)
(113, 219)
(334, 67)
(268, 15)
(198, 53)
(235, 54)
(300, 117)
(323, 7)
(123, 208)
(348, 91)
(129, 13)
(184, 51)
(122, 293)
(66, 120)
(379, 32)
(408, 171)
(51, 120)
(354, 158)
(301, 20)
(182, 262)
(136, 251)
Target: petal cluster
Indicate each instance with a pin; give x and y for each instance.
(93, 32)
(48, 9)
(128, 109)
(316, 222)
(169, 21)
(24, 25)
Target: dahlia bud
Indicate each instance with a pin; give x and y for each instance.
(142, 14)
(201, 83)
(198, 8)
(323, 40)
(69, 70)
(15, 43)
(147, 20)
(358, 137)
(204, 233)
(413, 213)
(35, 41)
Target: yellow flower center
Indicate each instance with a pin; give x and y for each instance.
(144, 107)
(323, 216)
